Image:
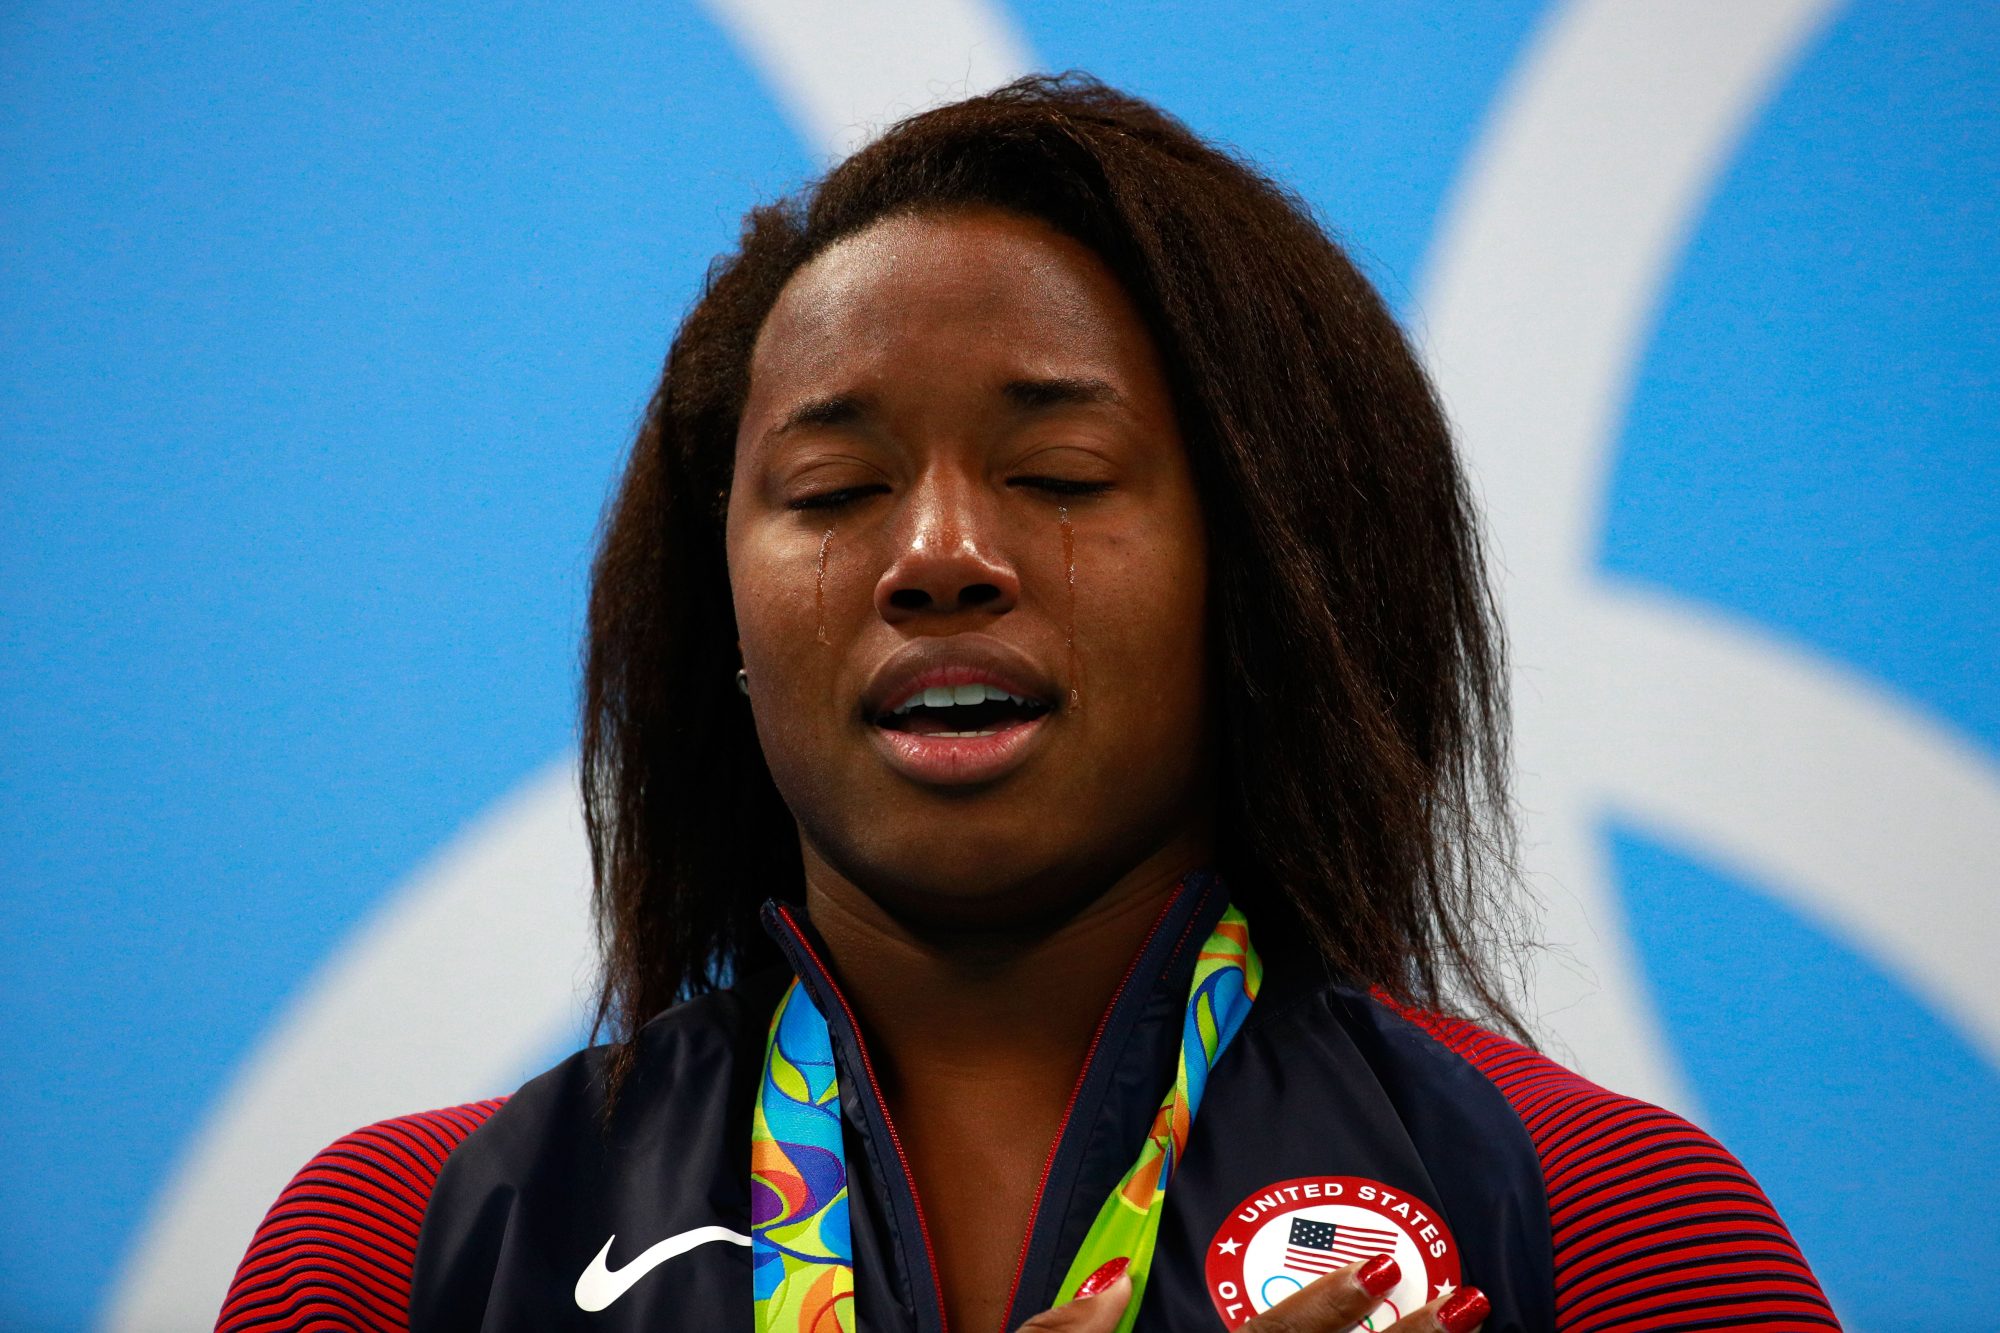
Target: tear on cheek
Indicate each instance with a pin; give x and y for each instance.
(819, 589)
(1075, 671)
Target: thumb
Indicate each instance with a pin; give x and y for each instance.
(1096, 1312)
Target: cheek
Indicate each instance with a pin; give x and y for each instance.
(1149, 639)
(798, 598)
(775, 583)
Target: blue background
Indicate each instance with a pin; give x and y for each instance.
(326, 333)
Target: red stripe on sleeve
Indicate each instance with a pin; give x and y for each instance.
(1657, 1228)
(338, 1249)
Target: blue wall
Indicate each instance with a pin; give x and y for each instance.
(326, 330)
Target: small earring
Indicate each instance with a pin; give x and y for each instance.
(743, 682)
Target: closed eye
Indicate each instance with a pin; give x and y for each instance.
(837, 499)
(1060, 485)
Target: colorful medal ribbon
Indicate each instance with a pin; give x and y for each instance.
(1227, 977)
(802, 1255)
(801, 1249)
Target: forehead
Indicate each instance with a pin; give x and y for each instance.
(978, 283)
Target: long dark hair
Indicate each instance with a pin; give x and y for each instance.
(1359, 682)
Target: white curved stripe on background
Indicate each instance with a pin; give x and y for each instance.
(1541, 292)
(1863, 814)
(1564, 232)
(476, 966)
(845, 69)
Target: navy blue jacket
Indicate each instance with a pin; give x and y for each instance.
(1334, 1125)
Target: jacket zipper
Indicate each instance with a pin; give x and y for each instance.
(882, 1103)
(1076, 1091)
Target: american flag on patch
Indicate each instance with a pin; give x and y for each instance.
(1321, 1247)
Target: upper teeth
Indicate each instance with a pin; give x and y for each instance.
(947, 696)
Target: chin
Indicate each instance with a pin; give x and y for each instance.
(966, 883)
(1015, 868)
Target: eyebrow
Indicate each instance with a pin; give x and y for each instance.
(1061, 391)
(1030, 395)
(835, 410)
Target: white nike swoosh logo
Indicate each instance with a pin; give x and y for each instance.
(599, 1286)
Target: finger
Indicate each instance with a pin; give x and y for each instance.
(1461, 1312)
(1333, 1304)
(1099, 1303)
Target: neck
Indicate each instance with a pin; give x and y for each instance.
(978, 1033)
(993, 1005)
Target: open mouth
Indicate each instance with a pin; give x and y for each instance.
(961, 712)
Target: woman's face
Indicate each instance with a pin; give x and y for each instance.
(969, 572)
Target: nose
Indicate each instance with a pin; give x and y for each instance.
(948, 558)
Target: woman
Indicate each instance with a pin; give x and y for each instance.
(1043, 750)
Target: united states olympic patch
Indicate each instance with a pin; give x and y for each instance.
(1284, 1236)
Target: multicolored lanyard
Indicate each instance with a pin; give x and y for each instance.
(802, 1252)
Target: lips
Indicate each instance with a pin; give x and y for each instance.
(957, 711)
(959, 761)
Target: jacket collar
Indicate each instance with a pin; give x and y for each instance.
(1130, 1063)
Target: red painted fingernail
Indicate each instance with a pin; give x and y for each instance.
(1464, 1311)
(1102, 1279)
(1379, 1276)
